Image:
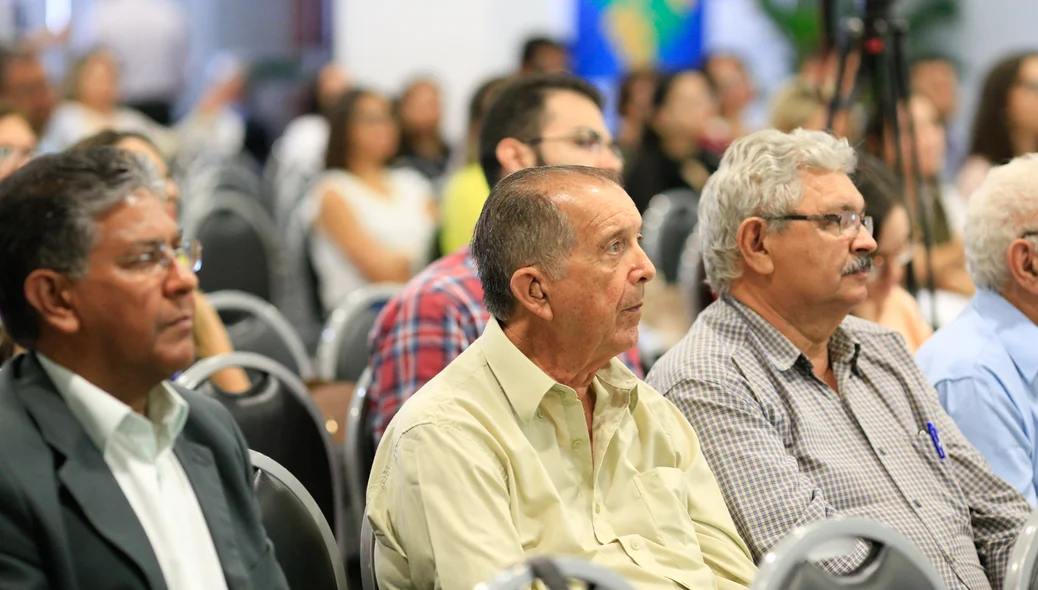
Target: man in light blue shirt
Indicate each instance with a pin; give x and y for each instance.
(984, 364)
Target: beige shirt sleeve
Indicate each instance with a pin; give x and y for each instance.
(453, 512)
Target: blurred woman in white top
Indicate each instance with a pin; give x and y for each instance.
(371, 223)
(92, 105)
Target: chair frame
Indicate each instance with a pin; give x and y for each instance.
(351, 446)
(352, 306)
(1023, 561)
(197, 374)
(247, 208)
(368, 581)
(230, 300)
(274, 469)
(815, 541)
(521, 576)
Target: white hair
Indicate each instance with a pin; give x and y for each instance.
(760, 176)
(1004, 207)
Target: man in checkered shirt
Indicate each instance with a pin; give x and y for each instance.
(534, 121)
(804, 412)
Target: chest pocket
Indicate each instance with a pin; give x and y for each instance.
(665, 496)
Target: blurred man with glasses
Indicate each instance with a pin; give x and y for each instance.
(804, 412)
(984, 364)
(534, 121)
(113, 477)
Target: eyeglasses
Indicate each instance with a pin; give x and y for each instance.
(848, 222)
(880, 262)
(162, 256)
(1029, 234)
(589, 141)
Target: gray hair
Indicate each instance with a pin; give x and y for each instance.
(1004, 207)
(760, 176)
(47, 220)
(521, 225)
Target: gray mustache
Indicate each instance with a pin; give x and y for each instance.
(862, 264)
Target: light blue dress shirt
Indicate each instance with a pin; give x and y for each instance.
(984, 365)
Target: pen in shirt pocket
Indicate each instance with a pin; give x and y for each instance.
(930, 428)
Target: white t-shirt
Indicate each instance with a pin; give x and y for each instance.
(399, 222)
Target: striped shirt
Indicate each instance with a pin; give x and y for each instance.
(788, 450)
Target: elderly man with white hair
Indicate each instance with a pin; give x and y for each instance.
(804, 412)
(984, 364)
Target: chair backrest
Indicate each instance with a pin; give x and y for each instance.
(296, 290)
(692, 276)
(359, 446)
(894, 563)
(303, 542)
(1022, 573)
(257, 326)
(522, 576)
(342, 353)
(668, 221)
(239, 241)
(278, 418)
(368, 581)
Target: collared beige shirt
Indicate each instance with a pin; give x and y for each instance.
(139, 452)
(490, 463)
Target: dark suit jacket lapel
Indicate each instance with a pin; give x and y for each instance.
(84, 473)
(198, 464)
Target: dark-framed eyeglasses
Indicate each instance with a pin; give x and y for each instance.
(848, 223)
(162, 256)
(588, 140)
(1029, 234)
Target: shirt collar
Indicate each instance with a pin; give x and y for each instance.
(525, 384)
(781, 352)
(102, 415)
(1017, 333)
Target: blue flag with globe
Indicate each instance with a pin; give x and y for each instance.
(615, 36)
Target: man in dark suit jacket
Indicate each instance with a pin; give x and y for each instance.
(110, 476)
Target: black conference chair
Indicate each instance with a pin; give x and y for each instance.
(368, 581)
(1023, 561)
(303, 542)
(669, 220)
(257, 326)
(555, 573)
(297, 289)
(239, 238)
(342, 353)
(279, 419)
(359, 448)
(893, 563)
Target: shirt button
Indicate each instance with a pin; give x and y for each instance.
(636, 545)
(883, 452)
(540, 414)
(578, 443)
(598, 508)
(917, 503)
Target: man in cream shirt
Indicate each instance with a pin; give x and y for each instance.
(536, 440)
(111, 477)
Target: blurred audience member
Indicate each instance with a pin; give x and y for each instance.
(211, 338)
(808, 414)
(936, 78)
(984, 364)
(671, 154)
(542, 55)
(798, 105)
(467, 189)
(537, 421)
(888, 303)
(92, 105)
(149, 39)
(24, 87)
(943, 206)
(302, 146)
(17, 141)
(422, 146)
(534, 121)
(121, 479)
(1006, 121)
(635, 108)
(373, 224)
(735, 93)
